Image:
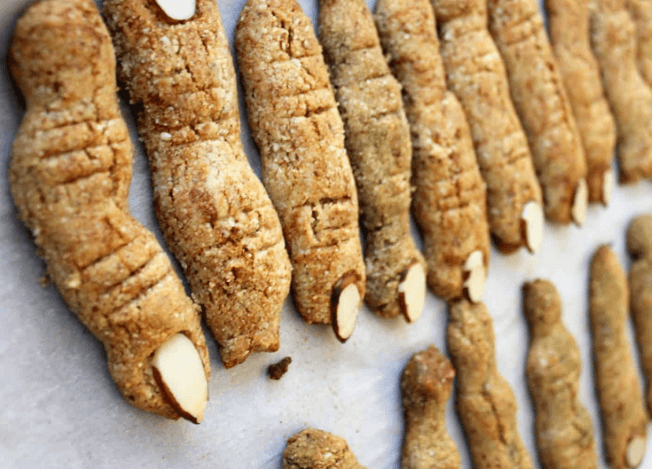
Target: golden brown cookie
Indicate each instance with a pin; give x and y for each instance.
(485, 402)
(639, 244)
(476, 74)
(427, 383)
(70, 176)
(568, 22)
(641, 12)
(539, 96)
(564, 431)
(624, 420)
(450, 201)
(377, 139)
(317, 449)
(214, 212)
(613, 39)
(295, 123)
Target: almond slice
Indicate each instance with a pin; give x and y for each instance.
(179, 371)
(608, 184)
(477, 276)
(635, 451)
(412, 292)
(580, 203)
(532, 219)
(345, 304)
(178, 10)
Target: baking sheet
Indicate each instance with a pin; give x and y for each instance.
(60, 407)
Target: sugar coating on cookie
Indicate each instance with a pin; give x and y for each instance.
(214, 212)
(295, 123)
(70, 175)
(449, 202)
(476, 75)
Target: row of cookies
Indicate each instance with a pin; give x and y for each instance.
(485, 401)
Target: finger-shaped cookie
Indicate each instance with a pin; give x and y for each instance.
(624, 420)
(449, 202)
(295, 123)
(214, 212)
(613, 39)
(476, 74)
(70, 175)
(427, 383)
(639, 244)
(568, 23)
(540, 100)
(485, 402)
(641, 11)
(377, 139)
(564, 431)
(317, 449)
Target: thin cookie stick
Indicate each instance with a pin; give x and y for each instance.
(540, 100)
(476, 74)
(641, 11)
(639, 244)
(624, 420)
(317, 449)
(214, 212)
(564, 431)
(426, 384)
(377, 139)
(295, 123)
(613, 39)
(485, 402)
(568, 22)
(450, 200)
(70, 175)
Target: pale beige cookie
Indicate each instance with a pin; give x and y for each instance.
(539, 96)
(317, 449)
(427, 383)
(476, 74)
(613, 39)
(485, 402)
(641, 11)
(214, 212)
(377, 139)
(450, 199)
(70, 175)
(568, 23)
(624, 420)
(564, 430)
(295, 123)
(639, 244)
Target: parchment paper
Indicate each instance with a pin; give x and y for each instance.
(60, 408)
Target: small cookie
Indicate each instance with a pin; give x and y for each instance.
(316, 449)
(485, 402)
(624, 420)
(564, 430)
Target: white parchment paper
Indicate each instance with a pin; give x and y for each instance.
(60, 408)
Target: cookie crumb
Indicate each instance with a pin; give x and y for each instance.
(277, 370)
